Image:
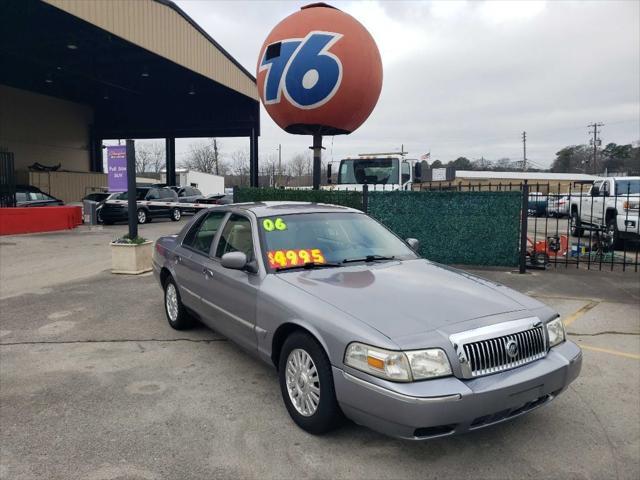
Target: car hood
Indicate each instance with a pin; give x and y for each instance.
(402, 298)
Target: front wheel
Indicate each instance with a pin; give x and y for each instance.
(176, 214)
(142, 216)
(613, 233)
(306, 383)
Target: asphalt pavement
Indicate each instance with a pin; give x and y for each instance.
(95, 385)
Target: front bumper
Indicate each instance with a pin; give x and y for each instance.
(629, 225)
(448, 406)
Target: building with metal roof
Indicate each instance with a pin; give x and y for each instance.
(74, 73)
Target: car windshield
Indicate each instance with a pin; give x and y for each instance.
(140, 194)
(624, 187)
(368, 170)
(328, 239)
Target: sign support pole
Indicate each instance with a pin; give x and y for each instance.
(317, 163)
(132, 206)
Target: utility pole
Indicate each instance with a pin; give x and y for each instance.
(596, 142)
(279, 164)
(524, 151)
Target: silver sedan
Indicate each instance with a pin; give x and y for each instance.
(358, 325)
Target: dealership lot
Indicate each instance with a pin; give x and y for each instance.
(95, 385)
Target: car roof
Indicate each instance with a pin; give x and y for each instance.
(267, 209)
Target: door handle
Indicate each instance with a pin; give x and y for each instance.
(178, 259)
(208, 273)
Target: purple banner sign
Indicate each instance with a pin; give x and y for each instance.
(117, 164)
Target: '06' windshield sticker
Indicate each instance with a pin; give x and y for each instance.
(289, 258)
(270, 225)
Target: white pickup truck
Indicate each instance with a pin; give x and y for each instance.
(611, 205)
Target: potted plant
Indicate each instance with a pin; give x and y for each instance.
(131, 255)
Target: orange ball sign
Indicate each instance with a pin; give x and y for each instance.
(319, 72)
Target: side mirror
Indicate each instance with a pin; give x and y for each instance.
(417, 171)
(328, 173)
(595, 191)
(234, 260)
(414, 243)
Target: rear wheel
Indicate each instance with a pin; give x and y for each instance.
(176, 214)
(142, 216)
(576, 224)
(306, 383)
(177, 314)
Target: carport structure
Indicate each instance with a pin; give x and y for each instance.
(142, 69)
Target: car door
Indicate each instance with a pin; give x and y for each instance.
(596, 213)
(194, 254)
(230, 296)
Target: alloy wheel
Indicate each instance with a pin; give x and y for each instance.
(171, 300)
(303, 382)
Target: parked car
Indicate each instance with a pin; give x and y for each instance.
(558, 205)
(217, 199)
(356, 323)
(537, 204)
(187, 195)
(100, 198)
(612, 205)
(28, 196)
(116, 210)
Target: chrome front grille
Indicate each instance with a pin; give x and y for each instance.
(499, 347)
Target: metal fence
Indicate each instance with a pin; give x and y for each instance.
(568, 225)
(530, 225)
(7, 180)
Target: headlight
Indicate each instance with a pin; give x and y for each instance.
(555, 329)
(628, 205)
(398, 366)
(428, 363)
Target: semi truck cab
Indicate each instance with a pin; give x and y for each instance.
(381, 171)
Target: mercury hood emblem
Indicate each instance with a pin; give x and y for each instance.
(512, 348)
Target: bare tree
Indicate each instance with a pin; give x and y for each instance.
(240, 167)
(150, 157)
(298, 165)
(206, 158)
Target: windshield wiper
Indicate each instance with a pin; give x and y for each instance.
(368, 258)
(308, 266)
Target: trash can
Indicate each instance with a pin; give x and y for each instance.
(90, 208)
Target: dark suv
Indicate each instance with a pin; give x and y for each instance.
(115, 210)
(28, 196)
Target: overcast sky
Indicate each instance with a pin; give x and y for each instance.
(466, 78)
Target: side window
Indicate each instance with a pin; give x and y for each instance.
(196, 191)
(21, 197)
(406, 172)
(202, 233)
(166, 193)
(236, 237)
(153, 194)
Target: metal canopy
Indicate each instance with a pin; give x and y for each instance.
(134, 93)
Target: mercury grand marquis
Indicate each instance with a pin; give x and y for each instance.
(357, 324)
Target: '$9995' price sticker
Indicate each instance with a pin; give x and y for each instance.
(288, 258)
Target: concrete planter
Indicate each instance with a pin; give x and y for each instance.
(131, 259)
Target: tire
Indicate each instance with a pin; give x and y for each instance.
(576, 224)
(143, 216)
(540, 259)
(612, 231)
(176, 215)
(177, 315)
(99, 217)
(298, 348)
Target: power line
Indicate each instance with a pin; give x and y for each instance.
(596, 142)
(524, 151)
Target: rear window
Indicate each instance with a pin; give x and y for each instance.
(624, 187)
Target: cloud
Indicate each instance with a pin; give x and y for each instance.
(466, 78)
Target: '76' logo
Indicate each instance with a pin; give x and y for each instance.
(303, 69)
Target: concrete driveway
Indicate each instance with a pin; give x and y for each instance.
(95, 385)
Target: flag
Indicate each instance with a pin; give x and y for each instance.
(426, 156)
